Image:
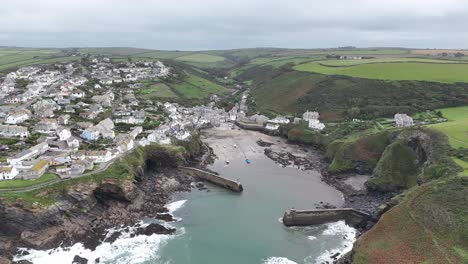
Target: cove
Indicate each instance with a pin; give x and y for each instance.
(225, 227)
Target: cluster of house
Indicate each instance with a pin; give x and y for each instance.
(310, 118)
(38, 80)
(34, 109)
(182, 121)
(108, 73)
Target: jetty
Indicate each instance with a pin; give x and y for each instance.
(215, 179)
(352, 216)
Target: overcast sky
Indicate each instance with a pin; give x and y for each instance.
(225, 24)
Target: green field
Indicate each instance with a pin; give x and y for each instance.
(344, 63)
(462, 164)
(197, 87)
(274, 62)
(156, 90)
(200, 57)
(17, 183)
(161, 54)
(113, 51)
(13, 58)
(436, 72)
(457, 126)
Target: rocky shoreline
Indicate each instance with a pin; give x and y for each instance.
(87, 211)
(357, 197)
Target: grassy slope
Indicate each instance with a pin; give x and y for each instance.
(197, 87)
(296, 92)
(17, 57)
(437, 72)
(345, 63)
(116, 51)
(462, 164)
(7, 184)
(155, 90)
(200, 57)
(457, 126)
(281, 94)
(428, 226)
(396, 169)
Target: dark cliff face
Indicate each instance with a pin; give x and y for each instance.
(15, 220)
(87, 209)
(108, 192)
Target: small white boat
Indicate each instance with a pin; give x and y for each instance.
(235, 146)
(227, 161)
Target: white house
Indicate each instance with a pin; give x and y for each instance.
(124, 143)
(63, 119)
(316, 124)
(18, 158)
(99, 156)
(310, 115)
(8, 173)
(272, 126)
(279, 120)
(135, 132)
(182, 135)
(159, 138)
(403, 120)
(78, 94)
(73, 142)
(28, 153)
(13, 131)
(63, 133)
(17, 116)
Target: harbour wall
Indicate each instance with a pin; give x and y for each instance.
(234, 186)
(352, 216)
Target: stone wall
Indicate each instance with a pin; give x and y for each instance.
(217, 180)
(316, 217)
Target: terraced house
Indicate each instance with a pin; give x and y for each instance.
(13, 131)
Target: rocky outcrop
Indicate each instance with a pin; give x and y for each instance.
(107, 192)
(154, 229)
(416, 156)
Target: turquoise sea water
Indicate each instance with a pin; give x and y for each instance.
(225, 227)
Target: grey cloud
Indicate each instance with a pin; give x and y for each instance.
(214, 24)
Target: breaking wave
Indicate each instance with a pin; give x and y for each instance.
(342, 230)
(174, 206)
(125, 249)
(278, 260)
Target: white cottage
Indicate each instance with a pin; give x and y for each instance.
(8, 173)
(403, 120)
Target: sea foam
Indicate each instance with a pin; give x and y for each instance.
(125, 249)
(174, 206)
(278, 260)
(341, 229)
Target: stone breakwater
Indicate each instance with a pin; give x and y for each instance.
(234, 186)
(352, 217)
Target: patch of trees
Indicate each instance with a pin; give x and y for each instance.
(348, 97)
(21, 83)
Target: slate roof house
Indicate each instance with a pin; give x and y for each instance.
(13, 131)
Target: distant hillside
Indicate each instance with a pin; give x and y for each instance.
(288, 91)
